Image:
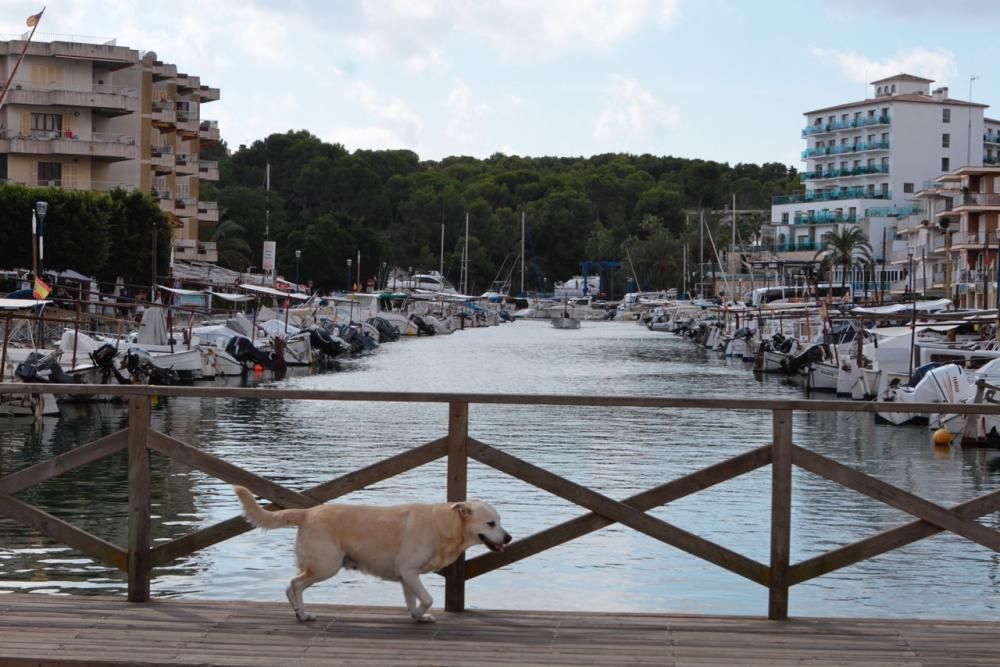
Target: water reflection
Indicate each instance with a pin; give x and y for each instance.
(618, 452)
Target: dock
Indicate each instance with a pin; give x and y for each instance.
(76, 630)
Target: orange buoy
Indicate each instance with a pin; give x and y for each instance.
(942, 437)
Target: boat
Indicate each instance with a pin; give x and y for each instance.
(565, 323)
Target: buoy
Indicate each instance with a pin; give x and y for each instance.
(258, 368)
(942, 437)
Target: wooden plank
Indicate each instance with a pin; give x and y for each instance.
(895, 538)
(352, 481)
(781, 514)
(646, 500)
(628, 516)
(211, 465)
(458, 476)
(896, 497)
(139, 500)
(809, 405)
(57, 465)
(63, 532)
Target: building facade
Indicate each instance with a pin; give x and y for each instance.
(99, 116)
(866, 161)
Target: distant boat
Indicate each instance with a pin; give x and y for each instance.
(565, 323)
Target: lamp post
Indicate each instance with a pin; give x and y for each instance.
(909, 258)
(38, 237)
(298, 256)
(349, 262)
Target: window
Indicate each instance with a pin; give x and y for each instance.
(49, 172)
(871, 113)
(885, 190)
(879, 92)
(945, 140)
(784, 218)
(871, 188)
(945, 164)
(945, 115)
(893, 89)
(908, 187)
(885, 112)
(46, 122)
(885, 137)
(885, 165)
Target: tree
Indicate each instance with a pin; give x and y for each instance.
(845, 248)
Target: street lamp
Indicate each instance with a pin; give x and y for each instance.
(38, 237)
(909, 258)
(349, 262)
(298, 256)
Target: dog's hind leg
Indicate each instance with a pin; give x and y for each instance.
(414, 588)
(310, 574)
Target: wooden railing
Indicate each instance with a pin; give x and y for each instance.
(139, 556)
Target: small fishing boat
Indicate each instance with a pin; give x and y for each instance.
(565, 323)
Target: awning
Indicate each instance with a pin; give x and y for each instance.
(183, 292)
(892, 332)
(260, 289)
(921, 306)
(12, 304)
(231, 297)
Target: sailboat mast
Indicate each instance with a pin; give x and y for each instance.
(701, 257)
(441, 261)
(522, 252)
(465, 257)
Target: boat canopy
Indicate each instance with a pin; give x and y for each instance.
(892, 309)
(260, 289)
(15, 304)
(892, 332)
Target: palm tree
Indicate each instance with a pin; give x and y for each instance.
(845, 248)
(232, 247)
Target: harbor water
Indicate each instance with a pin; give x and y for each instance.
(617, 452)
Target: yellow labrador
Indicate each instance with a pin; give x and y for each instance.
(396, 543)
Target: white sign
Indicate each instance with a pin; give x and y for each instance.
(270, 249)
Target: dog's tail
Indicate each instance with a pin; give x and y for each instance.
(261, 518)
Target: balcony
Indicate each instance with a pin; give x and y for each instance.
(891, 211)
(208, 211)
(843, 173)
(163, 71)
(990, 138)
(825, 217)
(111, 147)
(975, 200)
(830, 195)
(108, 104)
(208, 170)
(845, 149)
(823, 128)
(207, 94)
(991, 160)
(209, 130)
(187, 164)
(191, 250)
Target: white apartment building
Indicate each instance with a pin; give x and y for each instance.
(85, 116)
(864, 163)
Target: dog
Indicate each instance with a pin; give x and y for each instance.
(397, 543)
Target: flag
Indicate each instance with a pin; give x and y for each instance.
(35, 18)
(41, 290)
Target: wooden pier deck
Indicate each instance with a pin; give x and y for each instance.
(60, 630)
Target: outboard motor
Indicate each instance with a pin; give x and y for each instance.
(791, 365)
(242, 350)
(422, 326)
(920, 372)
(27, 370)
(56, 373)
(143, 371)
(386, 331)
(321, 340)
(504, 316)
(104, 358)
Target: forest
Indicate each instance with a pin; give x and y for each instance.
(391, 206)
(391, 209)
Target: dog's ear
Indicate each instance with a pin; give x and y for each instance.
(463, 509)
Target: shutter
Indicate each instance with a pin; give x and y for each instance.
(25, 123)
(67, 129)
(69, 175)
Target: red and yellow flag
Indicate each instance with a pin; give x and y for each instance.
(41, 290)
(35, 18)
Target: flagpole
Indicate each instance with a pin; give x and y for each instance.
(33, 22)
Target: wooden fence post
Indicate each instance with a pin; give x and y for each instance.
(138, 500)
(458, 475)
(781, 513)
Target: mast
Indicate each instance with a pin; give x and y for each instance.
(465, 257)
(441, 261)
(701, 257)
(522, 253)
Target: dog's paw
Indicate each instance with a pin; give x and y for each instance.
(424, 618)
(305, 617)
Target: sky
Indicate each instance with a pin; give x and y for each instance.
(709, 79)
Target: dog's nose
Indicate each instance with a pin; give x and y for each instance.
(507, 538)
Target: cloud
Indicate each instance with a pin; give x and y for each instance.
(393, 110)
(937, 64)
(633, 116)
(467, 117)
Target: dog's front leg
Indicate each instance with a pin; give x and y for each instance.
(412, 586)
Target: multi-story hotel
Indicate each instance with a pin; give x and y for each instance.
(98, 116)
(865, 163)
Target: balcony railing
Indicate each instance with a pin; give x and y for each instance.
(823, 217)
(891, 211)
(989, 159)
(845, 149)
(991, 138)
(971, 199)
(844, 173)
(830, 195)
(845, 125)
